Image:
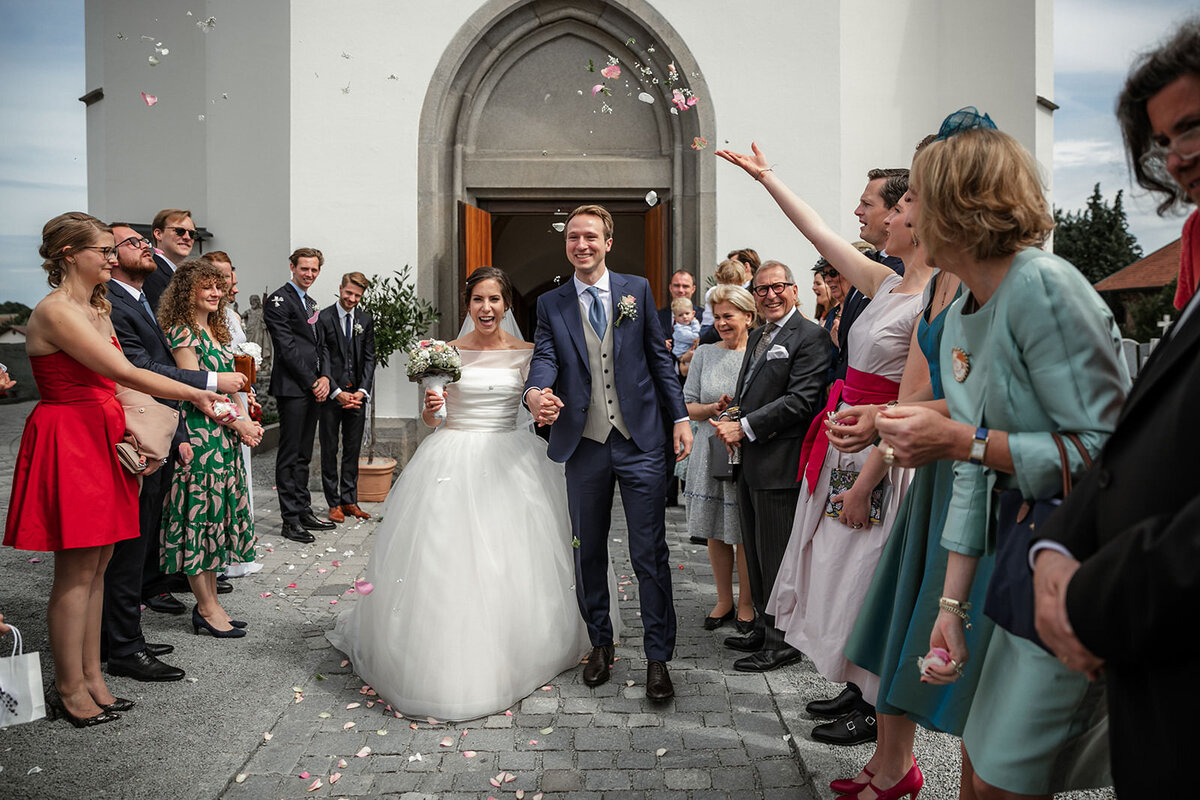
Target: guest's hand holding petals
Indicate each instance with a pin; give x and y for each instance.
(947, 634)
(852, 429)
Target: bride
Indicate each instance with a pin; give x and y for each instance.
(473, 605)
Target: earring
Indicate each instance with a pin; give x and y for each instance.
(915, 242)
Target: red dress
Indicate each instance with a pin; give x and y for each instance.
(68, 488)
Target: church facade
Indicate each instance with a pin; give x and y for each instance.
(444, 136)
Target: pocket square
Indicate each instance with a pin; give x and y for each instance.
(777, 351)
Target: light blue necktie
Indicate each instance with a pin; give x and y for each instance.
(596, 312)
(146, 305)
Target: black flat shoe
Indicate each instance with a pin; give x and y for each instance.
(856, 727)
(712, 623)
(118, 704)
(309, 521)
(199, 623)
(164, 604)
(56, 709)
(834, 707)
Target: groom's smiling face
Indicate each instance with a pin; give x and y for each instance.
(586, 245)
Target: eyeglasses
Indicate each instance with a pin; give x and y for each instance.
(777, 288)
(829, 273)
(181, 232)
(137, 242)
(1186, 146)
(108, 253)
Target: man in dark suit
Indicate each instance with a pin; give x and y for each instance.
(600, 349)
(298, 386)
(136, 560)
(174, 234)
(779, 389)
(1116, 582)
(348, 361)
(682, 285)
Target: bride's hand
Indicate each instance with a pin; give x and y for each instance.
(754, 165)
(433, 400)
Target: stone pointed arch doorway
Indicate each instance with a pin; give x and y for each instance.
(510, 129)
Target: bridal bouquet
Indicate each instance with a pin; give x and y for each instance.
(433, 364)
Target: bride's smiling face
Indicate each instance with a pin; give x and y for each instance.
(486, 306)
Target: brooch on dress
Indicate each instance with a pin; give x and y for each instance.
(962, 363)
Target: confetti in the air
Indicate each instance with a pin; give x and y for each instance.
(153, 61)
(612, 71)
(699, 143)
(651, 197)
(149, 99)
(206, 25)
(646, 97)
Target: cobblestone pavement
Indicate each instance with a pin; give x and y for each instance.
(257, 714)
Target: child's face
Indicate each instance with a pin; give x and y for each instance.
(685, 317)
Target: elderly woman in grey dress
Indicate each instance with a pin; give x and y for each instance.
(712, 504)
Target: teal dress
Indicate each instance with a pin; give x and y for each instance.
(893, 628)
(1041, 356)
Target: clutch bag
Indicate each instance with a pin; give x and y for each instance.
(840, 480)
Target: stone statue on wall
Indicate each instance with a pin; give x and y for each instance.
(256, 331)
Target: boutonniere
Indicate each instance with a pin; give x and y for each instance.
(276, 300)
(626, 308)
(358, 329)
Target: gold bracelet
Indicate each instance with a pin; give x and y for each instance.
(764, 171)
(957, 608)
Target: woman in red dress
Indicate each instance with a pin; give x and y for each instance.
(69, 493)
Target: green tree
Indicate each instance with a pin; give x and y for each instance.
(1096, 239)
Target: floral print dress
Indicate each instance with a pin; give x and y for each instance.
(207, 522)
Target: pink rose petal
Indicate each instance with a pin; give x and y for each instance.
(447, 742)
(312, 787)
(364, 587)
(611, 71)
(595, 90)
(363, 753)
(469, 754)
(149, 99)
(335, 777)
(336, 563)
(304, 775)
(341, 763)
(348, 726)
(353, 705)
(291, 586)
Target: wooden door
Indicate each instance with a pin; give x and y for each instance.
(474, 243)
(657, 258)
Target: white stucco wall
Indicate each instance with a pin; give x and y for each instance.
(317, 145)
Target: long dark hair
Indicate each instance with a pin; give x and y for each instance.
(489, 273)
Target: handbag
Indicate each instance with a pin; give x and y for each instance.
(1009, 600)
(721, 465)
(149, 430)
(21, 696)
(840, 480)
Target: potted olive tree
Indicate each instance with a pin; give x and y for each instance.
(401, 317)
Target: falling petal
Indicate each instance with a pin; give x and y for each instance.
(321, 570)
(291, 586)
(207, 25)
(345, 54)
(305, 775)
(559, 226)
(363, 753)
(599, 87)
(699, 143)
(312, 787)
(660, 752)
(364, 587)
(153, 60)
(224, 95)
(392, 77)
(335, 777)
(651, 199)
(200, 118)
(149, 98)
(612, 71)
(121, 35)
(646, 97)
(164, 51)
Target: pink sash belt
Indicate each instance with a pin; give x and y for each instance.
(857, 389)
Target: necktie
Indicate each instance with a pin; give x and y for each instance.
(596, 313)
(146, 305)
(349, 333)
(764, 342)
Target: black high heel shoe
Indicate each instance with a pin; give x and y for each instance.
(118, 704)
(199, 622)
(56, 708)
(712, 623)
(237, 623)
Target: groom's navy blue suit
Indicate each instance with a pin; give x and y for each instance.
(646, 386)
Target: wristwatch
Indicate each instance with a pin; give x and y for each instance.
(978, 446)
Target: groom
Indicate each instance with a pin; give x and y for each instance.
(599, 363)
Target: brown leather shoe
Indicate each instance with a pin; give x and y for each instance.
(352, 510)
(336, 515)
(598, 665)
(658, 681)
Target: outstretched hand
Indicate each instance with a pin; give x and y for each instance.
(754, 165)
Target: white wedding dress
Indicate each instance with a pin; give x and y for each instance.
(474, 604)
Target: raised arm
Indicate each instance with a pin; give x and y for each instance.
(865, 274)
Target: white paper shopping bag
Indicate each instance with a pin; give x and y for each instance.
(21, 695)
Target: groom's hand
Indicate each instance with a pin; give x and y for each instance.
(544, 405)
(683, 440)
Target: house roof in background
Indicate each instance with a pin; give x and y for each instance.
(1152, 272)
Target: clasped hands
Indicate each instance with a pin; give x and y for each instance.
(350, 400)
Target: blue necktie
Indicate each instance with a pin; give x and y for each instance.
(596, 312)
(348, 331)
(146, 305)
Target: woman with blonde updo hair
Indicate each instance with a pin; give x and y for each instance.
(69, 493)
(207, 522)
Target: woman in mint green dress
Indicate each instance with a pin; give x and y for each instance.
(207, 522)
(1030, 349)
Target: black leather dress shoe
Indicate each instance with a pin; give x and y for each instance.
(834, 707)
(747, 644)
(141, 666)
(164, 604)
(309, 521)
(297, 534)
(157, 650)
(767, 660)
(224, 586)
(853, 728)
(658, 681)
(700, 540)
(598, 666)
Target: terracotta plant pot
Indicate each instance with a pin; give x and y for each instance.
(375, 479)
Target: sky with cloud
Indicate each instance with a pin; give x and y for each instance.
(43, 152)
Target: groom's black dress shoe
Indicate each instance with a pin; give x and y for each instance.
(658, 681)
(834, 707)
(747, 644)
(164, 604)
(598, 665)
(853, 728)
(309, 521)
(297, 534)
(141, 666)
(767, 660)
(157, 650)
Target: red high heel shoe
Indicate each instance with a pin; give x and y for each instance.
(849, 786)
(910, 784)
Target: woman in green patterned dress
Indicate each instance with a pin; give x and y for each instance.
(207, 522)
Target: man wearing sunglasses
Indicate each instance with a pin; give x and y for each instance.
(174, 234)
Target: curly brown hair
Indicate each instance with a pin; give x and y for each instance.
(177, 305)
(71, 231)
